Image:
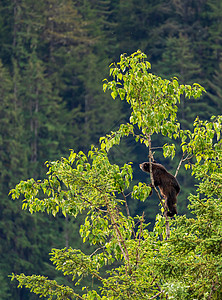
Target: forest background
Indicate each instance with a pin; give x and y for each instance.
(54, 55)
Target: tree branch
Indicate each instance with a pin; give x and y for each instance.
(151, 158)
(126, 205)
(103, 247)
(120, 239)
(128, 212)
(212, 290)
(140, 233)
(157, 295)
(158, 194)
(181, 161)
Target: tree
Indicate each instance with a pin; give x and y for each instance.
(24, 240)
(214, 16)
(178, 259)
(49, 56)
(136, 25)
(13, 164)
(216, 93)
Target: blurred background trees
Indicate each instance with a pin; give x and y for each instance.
(54, 55)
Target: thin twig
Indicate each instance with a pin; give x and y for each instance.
(97, 250)
(137, 251)
(212, 290)
(167, 223)
(127, 207)
(157, 295)
(128, 212)
(179, 165)
(128, 194)
(97, 208)
(181, 161)
(154, 148)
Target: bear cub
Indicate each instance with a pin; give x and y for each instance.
(167, 183)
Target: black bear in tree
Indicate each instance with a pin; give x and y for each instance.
(167, 183)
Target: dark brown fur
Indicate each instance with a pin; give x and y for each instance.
(167, 183)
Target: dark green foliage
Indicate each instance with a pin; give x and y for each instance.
(54, 57)
(49, 103)
(178, 259)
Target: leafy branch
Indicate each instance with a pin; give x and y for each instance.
(142, 265)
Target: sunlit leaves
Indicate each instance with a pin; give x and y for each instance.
(75, 184)
(73, 262)
(114, 138)
(95, 229)
(44, 287)
(153, 100)
(201, 142)
(141, 191)
(169, 150)
(144, 264)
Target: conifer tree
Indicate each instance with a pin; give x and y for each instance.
(12, 153)
(179, 61)
(216, 91)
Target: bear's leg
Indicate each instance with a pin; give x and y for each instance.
(171, 204)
